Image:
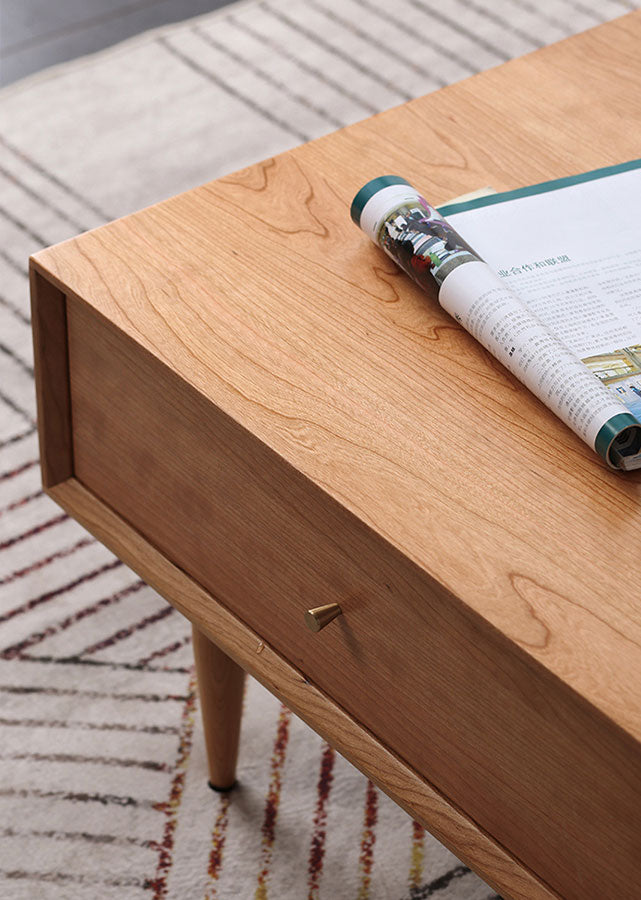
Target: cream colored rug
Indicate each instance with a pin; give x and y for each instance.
(102, 767)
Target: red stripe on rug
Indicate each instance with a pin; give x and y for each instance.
(219, 833)
(22, 502)
(164, 651)
(113, 840)
(418, 856)
(45, 561)
(76, 692)
(126, 763)
(5, 476)
(158, 885)
(127, 632)
(317, 849)
(79, 725)
(368, 840)
(218, 837)
(14, 439)
(50, 595)
(38, 636)
(273, 800)
(76, 797)
(37, 529)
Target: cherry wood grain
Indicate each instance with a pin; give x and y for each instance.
(255, 385)
(411, 791)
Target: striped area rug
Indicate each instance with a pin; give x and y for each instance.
(102, 764)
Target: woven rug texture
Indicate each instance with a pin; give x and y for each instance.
(102, 763)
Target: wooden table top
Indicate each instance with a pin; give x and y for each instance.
(259, 291)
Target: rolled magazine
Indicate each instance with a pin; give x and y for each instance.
(426, 246)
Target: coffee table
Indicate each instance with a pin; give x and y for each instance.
(248, 403)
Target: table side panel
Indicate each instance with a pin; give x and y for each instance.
(401, 783)
(526, 758)
(51, 370)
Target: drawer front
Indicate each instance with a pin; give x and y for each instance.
(451, 696)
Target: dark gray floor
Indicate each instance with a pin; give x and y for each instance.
(38, 33)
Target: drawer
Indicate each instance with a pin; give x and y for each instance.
(462, 705)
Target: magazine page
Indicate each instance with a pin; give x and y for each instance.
(520, 333)
(571, 249)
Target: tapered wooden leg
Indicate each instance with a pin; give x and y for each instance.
(220, 686)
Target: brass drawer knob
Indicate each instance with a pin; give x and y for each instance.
(320, 616)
